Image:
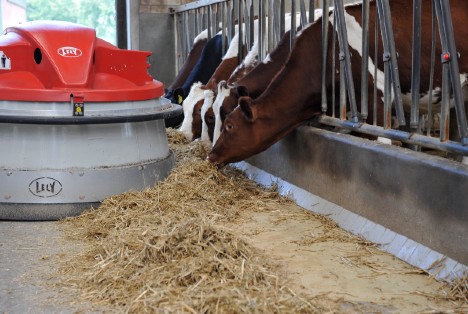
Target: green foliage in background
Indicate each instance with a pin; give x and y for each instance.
(96, 14)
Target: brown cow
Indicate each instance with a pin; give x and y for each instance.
(254, 82)
(198, 43)
(294, 95)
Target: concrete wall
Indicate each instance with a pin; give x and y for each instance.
(156, 34)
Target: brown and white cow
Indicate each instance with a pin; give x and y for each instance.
(254, 82)
(194, 102)
(208, 115)
(294, 95)
(192, 123)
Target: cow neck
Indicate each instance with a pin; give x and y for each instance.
(258, 79)
(192, 59)
(225, 69)
(301, 73)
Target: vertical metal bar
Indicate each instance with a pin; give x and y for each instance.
(342, 97)
(452, 59)
(231, 20)
(223, 26)
(376, 58)
(303, 13)
(277, 12)
(345, 58)
(271, 17)
(445, 98)
(205, 23)
(365, 61)
(251, 17)
(261, 27)
(187, 35)
(416, 65)
(179, 41)
(389, 46)
(333, 74)
(282, 14)
(247, 23)
(387, 94)
(325, 17)
(387, 68)
(311, 11)
(293, 24)
(209, 21)
(195, 22)
(430, 118)
(240, 32)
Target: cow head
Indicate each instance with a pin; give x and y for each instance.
(207, 116)
(225, 102)
(241, 136)
(191, 126)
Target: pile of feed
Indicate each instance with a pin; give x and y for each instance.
(166, 248)
(176, 248)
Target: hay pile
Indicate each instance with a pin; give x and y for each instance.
(165, 249)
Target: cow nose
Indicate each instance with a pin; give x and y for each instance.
(212, 157)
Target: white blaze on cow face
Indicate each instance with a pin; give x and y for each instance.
(223, 92)
(208, 103)
(195, 95)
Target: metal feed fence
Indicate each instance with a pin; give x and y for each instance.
(222, 16)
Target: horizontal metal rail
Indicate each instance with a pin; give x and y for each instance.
(405, 137)
(195, 5)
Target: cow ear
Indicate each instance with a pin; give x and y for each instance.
(242, 91)
(179, 95)
(247, 109)
(212, 83)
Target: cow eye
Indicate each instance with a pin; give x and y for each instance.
(228, 127)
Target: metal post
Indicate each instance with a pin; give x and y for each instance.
(376, 58)
(293, 24)
(416, 65)
(390, 53)
(431, 74)
(365, 61)
(333, 80)
(303, 14)
(345, 58)
(325, 6)
(261, 27)
(452, 60)
(195, 22)
(277, 22)
(188, 38)
(251, 24)
(271, 33)
(240, 32)
(445, 97)
(282, 21)
(223, 26)
(311, 11)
